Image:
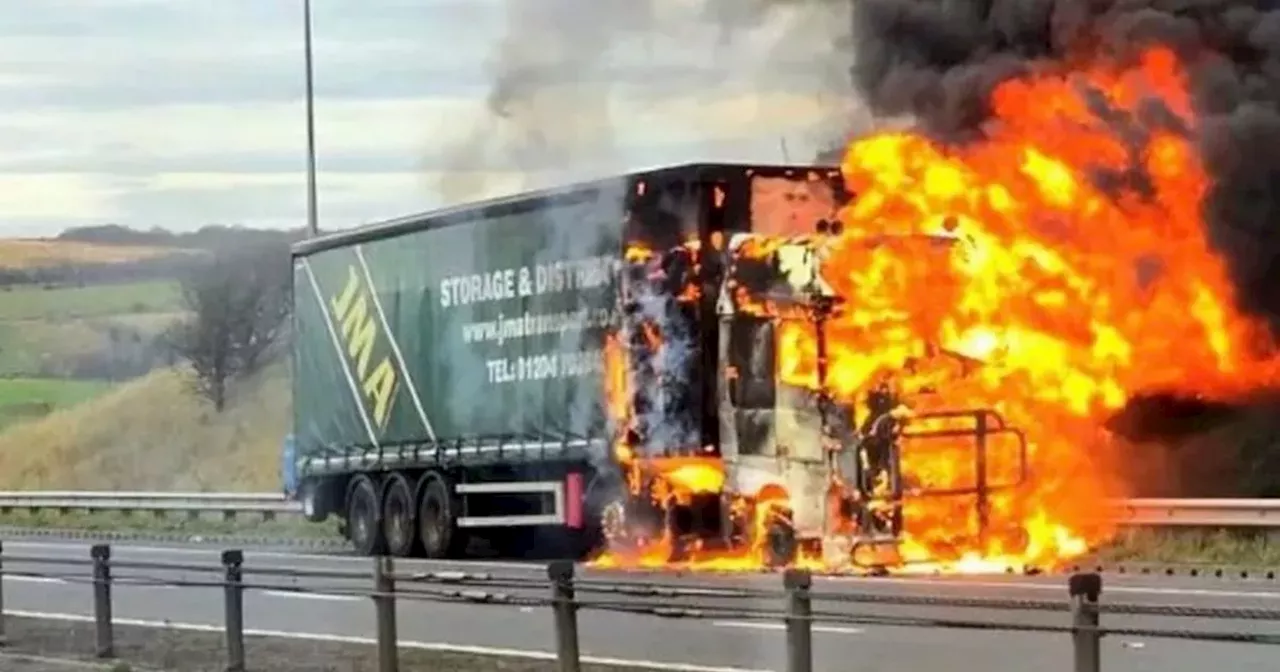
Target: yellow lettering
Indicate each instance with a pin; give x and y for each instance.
(380, 387)
(342, 303)
(359, 331)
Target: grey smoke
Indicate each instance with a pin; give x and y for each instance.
(665, 419)
(566, 69)
(575, 233)
(938, 61)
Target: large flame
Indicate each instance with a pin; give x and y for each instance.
(1081, 276)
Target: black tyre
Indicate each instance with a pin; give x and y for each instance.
(313, 509)
(675, 530)
(438, 520)
(399, 526)
(780, 545)
(364, 527)
(597, 505)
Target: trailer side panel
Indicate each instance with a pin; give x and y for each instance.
(485, 329)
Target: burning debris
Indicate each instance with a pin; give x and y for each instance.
(928, 371)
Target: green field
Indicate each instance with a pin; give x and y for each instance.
(63, 303)
(28, 398)
(47, 348)
(61, 346)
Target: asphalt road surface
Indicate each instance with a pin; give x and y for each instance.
(725, 641)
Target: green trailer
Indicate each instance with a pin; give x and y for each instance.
(450, 368)
(447, 368)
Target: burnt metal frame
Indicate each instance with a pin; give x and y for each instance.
(987, 423)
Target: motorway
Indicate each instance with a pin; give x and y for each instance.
(724, 642)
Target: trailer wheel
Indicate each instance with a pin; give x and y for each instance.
(437, 519)
(363, 517)
(780, 545)
(309, 497)
(398, 524)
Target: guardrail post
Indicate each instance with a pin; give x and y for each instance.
(3, 638)
(1084, 590)
(384, 606)
(233, 562)
(799, 617)
(101, 555)
(565, 610)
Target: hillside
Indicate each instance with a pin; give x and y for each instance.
(89, 398)
(152, 434)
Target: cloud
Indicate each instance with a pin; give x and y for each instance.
(178, 113)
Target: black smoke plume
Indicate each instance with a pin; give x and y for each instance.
(938, 61)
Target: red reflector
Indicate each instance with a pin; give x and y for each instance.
(573, 500)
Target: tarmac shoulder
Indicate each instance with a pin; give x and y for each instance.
(40, 645)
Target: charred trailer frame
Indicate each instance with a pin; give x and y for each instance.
(790, 456)
(661, 331)
(826, 482)
(674, 267)
(405, 431)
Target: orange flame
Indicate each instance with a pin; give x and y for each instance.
(1058, 301)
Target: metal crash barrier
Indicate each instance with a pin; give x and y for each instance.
(798, 602)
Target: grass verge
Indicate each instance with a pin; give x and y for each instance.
(1193, 546)
(107, 521)
(143, 649)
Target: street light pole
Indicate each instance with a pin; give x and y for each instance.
(313, 224)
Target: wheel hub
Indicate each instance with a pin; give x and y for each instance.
(397, 522)
(361, 530)
(309, 505)
(431, 523)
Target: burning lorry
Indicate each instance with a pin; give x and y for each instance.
(637, 366)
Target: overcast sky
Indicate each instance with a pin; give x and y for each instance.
(178, 113)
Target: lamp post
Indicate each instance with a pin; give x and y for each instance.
(313, 225)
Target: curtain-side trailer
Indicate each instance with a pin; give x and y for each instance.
(455, 373)
(448, 367)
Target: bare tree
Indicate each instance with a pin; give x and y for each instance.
(238, 302)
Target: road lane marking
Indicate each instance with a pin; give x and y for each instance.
(1194, 592)
(34, 579)
(1060, 588)
(310, 596)
(119, 582)
(369, 641)
(62, 663)
(765, 625)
